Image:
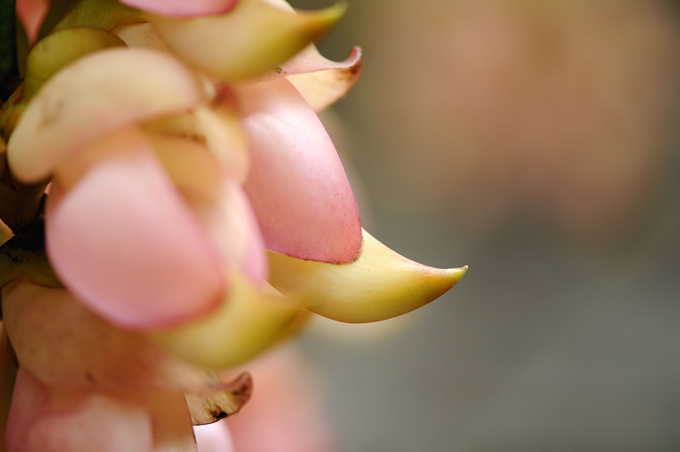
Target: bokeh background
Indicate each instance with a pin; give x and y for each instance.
(536, 141)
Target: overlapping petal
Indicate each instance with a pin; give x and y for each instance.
(94, 96)
(218, 128)
(47, 419)
(64, 344)
(125, 243)
(253, 38)
(297, 185)
(321, 81)
(218, 202)
(247, 323)
(166, 190)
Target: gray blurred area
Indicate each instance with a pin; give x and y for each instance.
(536, 141)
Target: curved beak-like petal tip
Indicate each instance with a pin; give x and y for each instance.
(456, 273)
(377, 285)
(261, 36)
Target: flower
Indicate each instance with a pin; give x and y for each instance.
(197, 211)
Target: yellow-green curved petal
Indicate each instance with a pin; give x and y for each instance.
(247, 323)
(60, 49)
(102, 14)
(378, 285)
(253, 38)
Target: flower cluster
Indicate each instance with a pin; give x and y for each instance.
(195, 213)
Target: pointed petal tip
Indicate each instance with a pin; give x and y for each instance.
(379, 284)
(450, 277)
(328, 17)
(456, 273)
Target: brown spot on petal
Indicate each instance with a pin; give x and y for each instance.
(210, 407)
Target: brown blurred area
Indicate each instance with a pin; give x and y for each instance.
(536, 141)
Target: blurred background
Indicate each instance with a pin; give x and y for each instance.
(536, 141)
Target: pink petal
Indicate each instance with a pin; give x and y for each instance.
(218, 202)
(233, 227)
(296, 184)
(125, 243)
(213, 437)
(82, 351)
(285, 413)
(31, 14)
(183, 8)
(45, 419)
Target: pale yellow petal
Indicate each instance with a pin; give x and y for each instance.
(378, 285)
(247, 323)
(93, 96)
(141, 35)
(218, 128)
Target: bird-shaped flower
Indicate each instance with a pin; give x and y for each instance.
(197, 211)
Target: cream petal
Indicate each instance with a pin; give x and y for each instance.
(218, 128)
(321, 82)
(123, 240)
(96, 95)
(378, 285)
(141, 35)
(81, 351)
(247, 323)
(327, 84)
(209, 407)
(256, 37)
(297, 185)
(48, 419)
(183, 8)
